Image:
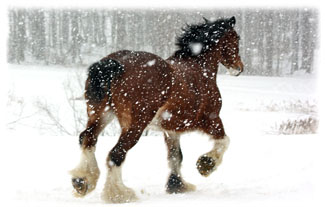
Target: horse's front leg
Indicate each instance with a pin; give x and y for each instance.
(175, 183)
(86, 174)
(209, 162)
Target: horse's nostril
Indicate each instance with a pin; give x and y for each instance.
(240, 67)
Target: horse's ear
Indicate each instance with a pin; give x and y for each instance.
(232, 21)
(206, 20)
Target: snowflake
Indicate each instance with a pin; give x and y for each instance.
(150, 63)
(166, 115)
(196, 48)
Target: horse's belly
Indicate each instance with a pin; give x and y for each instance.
(173, 120)
(155, 124)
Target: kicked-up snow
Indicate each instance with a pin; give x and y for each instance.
(261, 167)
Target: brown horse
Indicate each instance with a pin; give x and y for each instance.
(175, 95)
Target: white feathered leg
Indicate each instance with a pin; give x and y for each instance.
(209, 162)
(86, 174)
(115, 191)
(175, 183)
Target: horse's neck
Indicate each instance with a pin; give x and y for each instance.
(206, 63)
(210, 60)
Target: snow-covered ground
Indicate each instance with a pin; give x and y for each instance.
(262, 167)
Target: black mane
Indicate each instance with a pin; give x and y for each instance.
(197, 39)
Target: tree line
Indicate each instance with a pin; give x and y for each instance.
(273, 42)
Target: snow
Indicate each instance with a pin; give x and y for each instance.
(166, 115)
(260, 168)
(151, 63)
(196, 48)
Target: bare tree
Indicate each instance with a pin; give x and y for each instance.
(272, 41)
(295, 42)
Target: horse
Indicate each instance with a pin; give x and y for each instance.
(176, 95)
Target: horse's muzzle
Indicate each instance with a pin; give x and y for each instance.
(235, 71)
(240, 70)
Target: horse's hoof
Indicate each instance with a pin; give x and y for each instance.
(206, 165)
(176, 184)
(119, 194)
(80, 185)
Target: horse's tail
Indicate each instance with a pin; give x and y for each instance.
(100, 76)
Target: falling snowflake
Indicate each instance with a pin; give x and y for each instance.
(187, 122)
(150, 63)
(166, 115)
(196, 48)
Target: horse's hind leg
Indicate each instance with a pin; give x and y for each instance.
(175, 183)
(86, 174)
(209, 162)
(115, 191)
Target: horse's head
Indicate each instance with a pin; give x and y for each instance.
(214, 42)
(228, 46)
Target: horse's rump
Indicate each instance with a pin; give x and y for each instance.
(100, 76)
(142, 88)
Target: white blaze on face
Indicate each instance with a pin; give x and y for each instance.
(196, 48)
